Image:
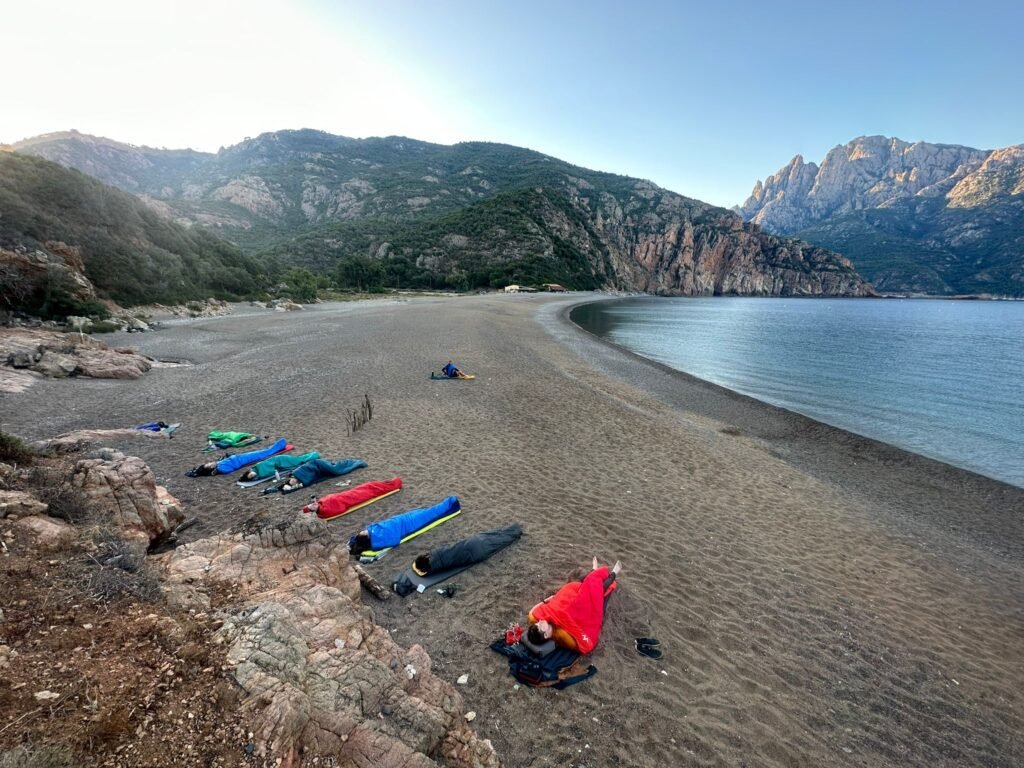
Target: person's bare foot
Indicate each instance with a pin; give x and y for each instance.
(617, 568)
(596, 566)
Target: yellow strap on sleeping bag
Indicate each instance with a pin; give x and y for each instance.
(373, 554)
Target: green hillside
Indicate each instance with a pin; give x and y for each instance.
(923, 246)
(130, 253)
(525, 236)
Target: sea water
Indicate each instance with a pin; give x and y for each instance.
(941, 378)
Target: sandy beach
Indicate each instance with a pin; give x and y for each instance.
(821, 598)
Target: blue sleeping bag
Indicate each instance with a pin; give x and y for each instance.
(390, 532)
(320, 469)
(152, 426)
(239, 460)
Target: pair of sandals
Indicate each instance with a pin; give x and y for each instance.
(649, 647)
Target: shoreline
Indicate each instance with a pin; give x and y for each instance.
(816, 593)
(798, 438)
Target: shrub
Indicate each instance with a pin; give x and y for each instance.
(38, 757)
(13, 449)
(56, 488)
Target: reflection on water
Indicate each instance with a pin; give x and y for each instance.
(942, 378)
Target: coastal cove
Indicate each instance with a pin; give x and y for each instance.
(935, 377)
(821, 598)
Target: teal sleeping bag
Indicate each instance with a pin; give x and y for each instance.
(239, 460)
(282, 463)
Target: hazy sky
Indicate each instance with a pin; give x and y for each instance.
(701, 97)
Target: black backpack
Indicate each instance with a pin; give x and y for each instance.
(558, 669)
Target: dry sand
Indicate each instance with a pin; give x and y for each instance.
(821, 599)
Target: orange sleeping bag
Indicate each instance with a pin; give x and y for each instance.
(576, 611)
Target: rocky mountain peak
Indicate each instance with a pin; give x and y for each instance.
(868, 172)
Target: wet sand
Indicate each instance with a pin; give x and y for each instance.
(821, 599)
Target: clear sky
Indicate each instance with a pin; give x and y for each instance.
(701, 97)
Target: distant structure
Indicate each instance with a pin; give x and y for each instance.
(519, 289)
(554, 288)
(511, 289)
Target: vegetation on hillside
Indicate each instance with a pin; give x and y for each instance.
(130, 252)
(527, 236)
(921, 245)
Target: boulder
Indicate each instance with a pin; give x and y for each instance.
(21, 504)
(112, 363)
(51, 535)
(54, 365)
(125, 489)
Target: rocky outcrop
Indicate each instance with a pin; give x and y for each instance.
(1001, 175)
(869, 172)
(74, 442)
(319, 677)
(50, 535)
(55, 355)
(253, 194)
(123, 488)
(20, 504)
(56, 265)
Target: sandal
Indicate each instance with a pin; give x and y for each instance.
(650, 651)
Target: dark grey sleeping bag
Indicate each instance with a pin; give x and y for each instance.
(448, 560)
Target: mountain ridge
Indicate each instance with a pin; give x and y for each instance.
(277, 190)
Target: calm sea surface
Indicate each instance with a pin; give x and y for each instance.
(940, 378)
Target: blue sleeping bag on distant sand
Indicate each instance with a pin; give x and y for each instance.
(239, 460)
(390, 532)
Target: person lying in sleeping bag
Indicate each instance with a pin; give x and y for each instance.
(338, 504)
(574, 615)
(452, 372)
(461, 554)
(224, 440)
(321, 469)
(390, 532)
(228, 465)
(273, 465)
(469, 551)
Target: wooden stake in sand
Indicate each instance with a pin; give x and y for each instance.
(376, 588)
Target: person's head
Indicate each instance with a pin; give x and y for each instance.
(539, 633)
(422, 564)
(313, 507)
(360, 543)
(291, 482)
(249, 475)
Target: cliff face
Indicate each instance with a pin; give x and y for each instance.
(677, 249)
(458, 216)
(920, 217)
